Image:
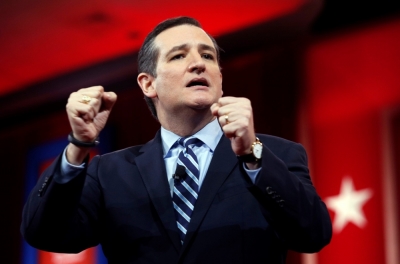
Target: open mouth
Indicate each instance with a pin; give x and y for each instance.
(197, 82)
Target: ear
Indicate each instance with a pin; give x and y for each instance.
(146, 82)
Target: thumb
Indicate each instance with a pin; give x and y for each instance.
(109, 99)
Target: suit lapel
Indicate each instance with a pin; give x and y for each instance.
(222, 163)
(152, 170)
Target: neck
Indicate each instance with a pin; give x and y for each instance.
(188, 123)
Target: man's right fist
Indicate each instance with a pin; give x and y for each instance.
(88, 110)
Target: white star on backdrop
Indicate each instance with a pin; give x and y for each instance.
(348, 205)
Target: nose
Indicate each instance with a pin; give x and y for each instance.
(197, 64)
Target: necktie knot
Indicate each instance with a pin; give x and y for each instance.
(189, 141)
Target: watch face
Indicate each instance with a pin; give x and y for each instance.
(257, 151)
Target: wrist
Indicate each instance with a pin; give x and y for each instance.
(255, 154)
(82, 144)
(76, 155)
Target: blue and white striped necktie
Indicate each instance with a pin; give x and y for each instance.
(186, 188)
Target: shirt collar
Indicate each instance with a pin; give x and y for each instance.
(210, 135)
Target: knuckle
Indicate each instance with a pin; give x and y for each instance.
(97, 94)
(100, 88)
(95, 102)
(89, 108)
(69, 105)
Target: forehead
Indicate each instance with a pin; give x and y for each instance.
(179, 35)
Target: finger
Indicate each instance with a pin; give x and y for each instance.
(93, 104)
(224, 120)
(93, 91)
(109, 99)
(214, 109)
(229, 130)
(227, 110)
(86, 95)
(230, 100)
(235, 130)
(235, 112)
(89, 98)
(82, 98)
(84, 111)
(233, 121)
(233, 104)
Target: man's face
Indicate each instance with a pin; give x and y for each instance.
(188, 74)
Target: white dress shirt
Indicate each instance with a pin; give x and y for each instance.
(209, 135)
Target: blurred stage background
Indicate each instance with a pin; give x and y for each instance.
(324, 73)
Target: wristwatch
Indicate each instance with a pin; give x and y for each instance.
(256, 152)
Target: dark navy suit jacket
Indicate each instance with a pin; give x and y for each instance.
(123, 201)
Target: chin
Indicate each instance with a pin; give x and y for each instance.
(200, 105)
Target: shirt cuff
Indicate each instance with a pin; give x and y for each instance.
(68, 170)
(251, 173)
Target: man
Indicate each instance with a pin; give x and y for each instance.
(238, 199)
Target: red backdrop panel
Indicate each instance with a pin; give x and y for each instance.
(351, 148)
(350, 79)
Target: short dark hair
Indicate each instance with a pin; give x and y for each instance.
(148, 53)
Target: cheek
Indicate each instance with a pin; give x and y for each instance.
(221, 92)
(168, 80)
(162, 81)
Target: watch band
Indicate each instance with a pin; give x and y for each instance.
(248, 158)
(79, 143)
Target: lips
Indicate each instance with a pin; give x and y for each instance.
(198, 82)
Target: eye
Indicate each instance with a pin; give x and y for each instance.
(208, 56)
(178, 57)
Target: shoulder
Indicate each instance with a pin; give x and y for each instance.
(130, 153)
(117, 157)
(274, 140)
(278, 144)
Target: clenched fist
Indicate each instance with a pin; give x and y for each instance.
(236, 118)
(88, 110)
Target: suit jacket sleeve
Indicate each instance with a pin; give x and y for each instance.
(52, 217)
(291, 203)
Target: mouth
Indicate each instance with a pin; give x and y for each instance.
(198, 82)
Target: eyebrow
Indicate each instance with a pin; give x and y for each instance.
(185, 46)
(208, 47)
